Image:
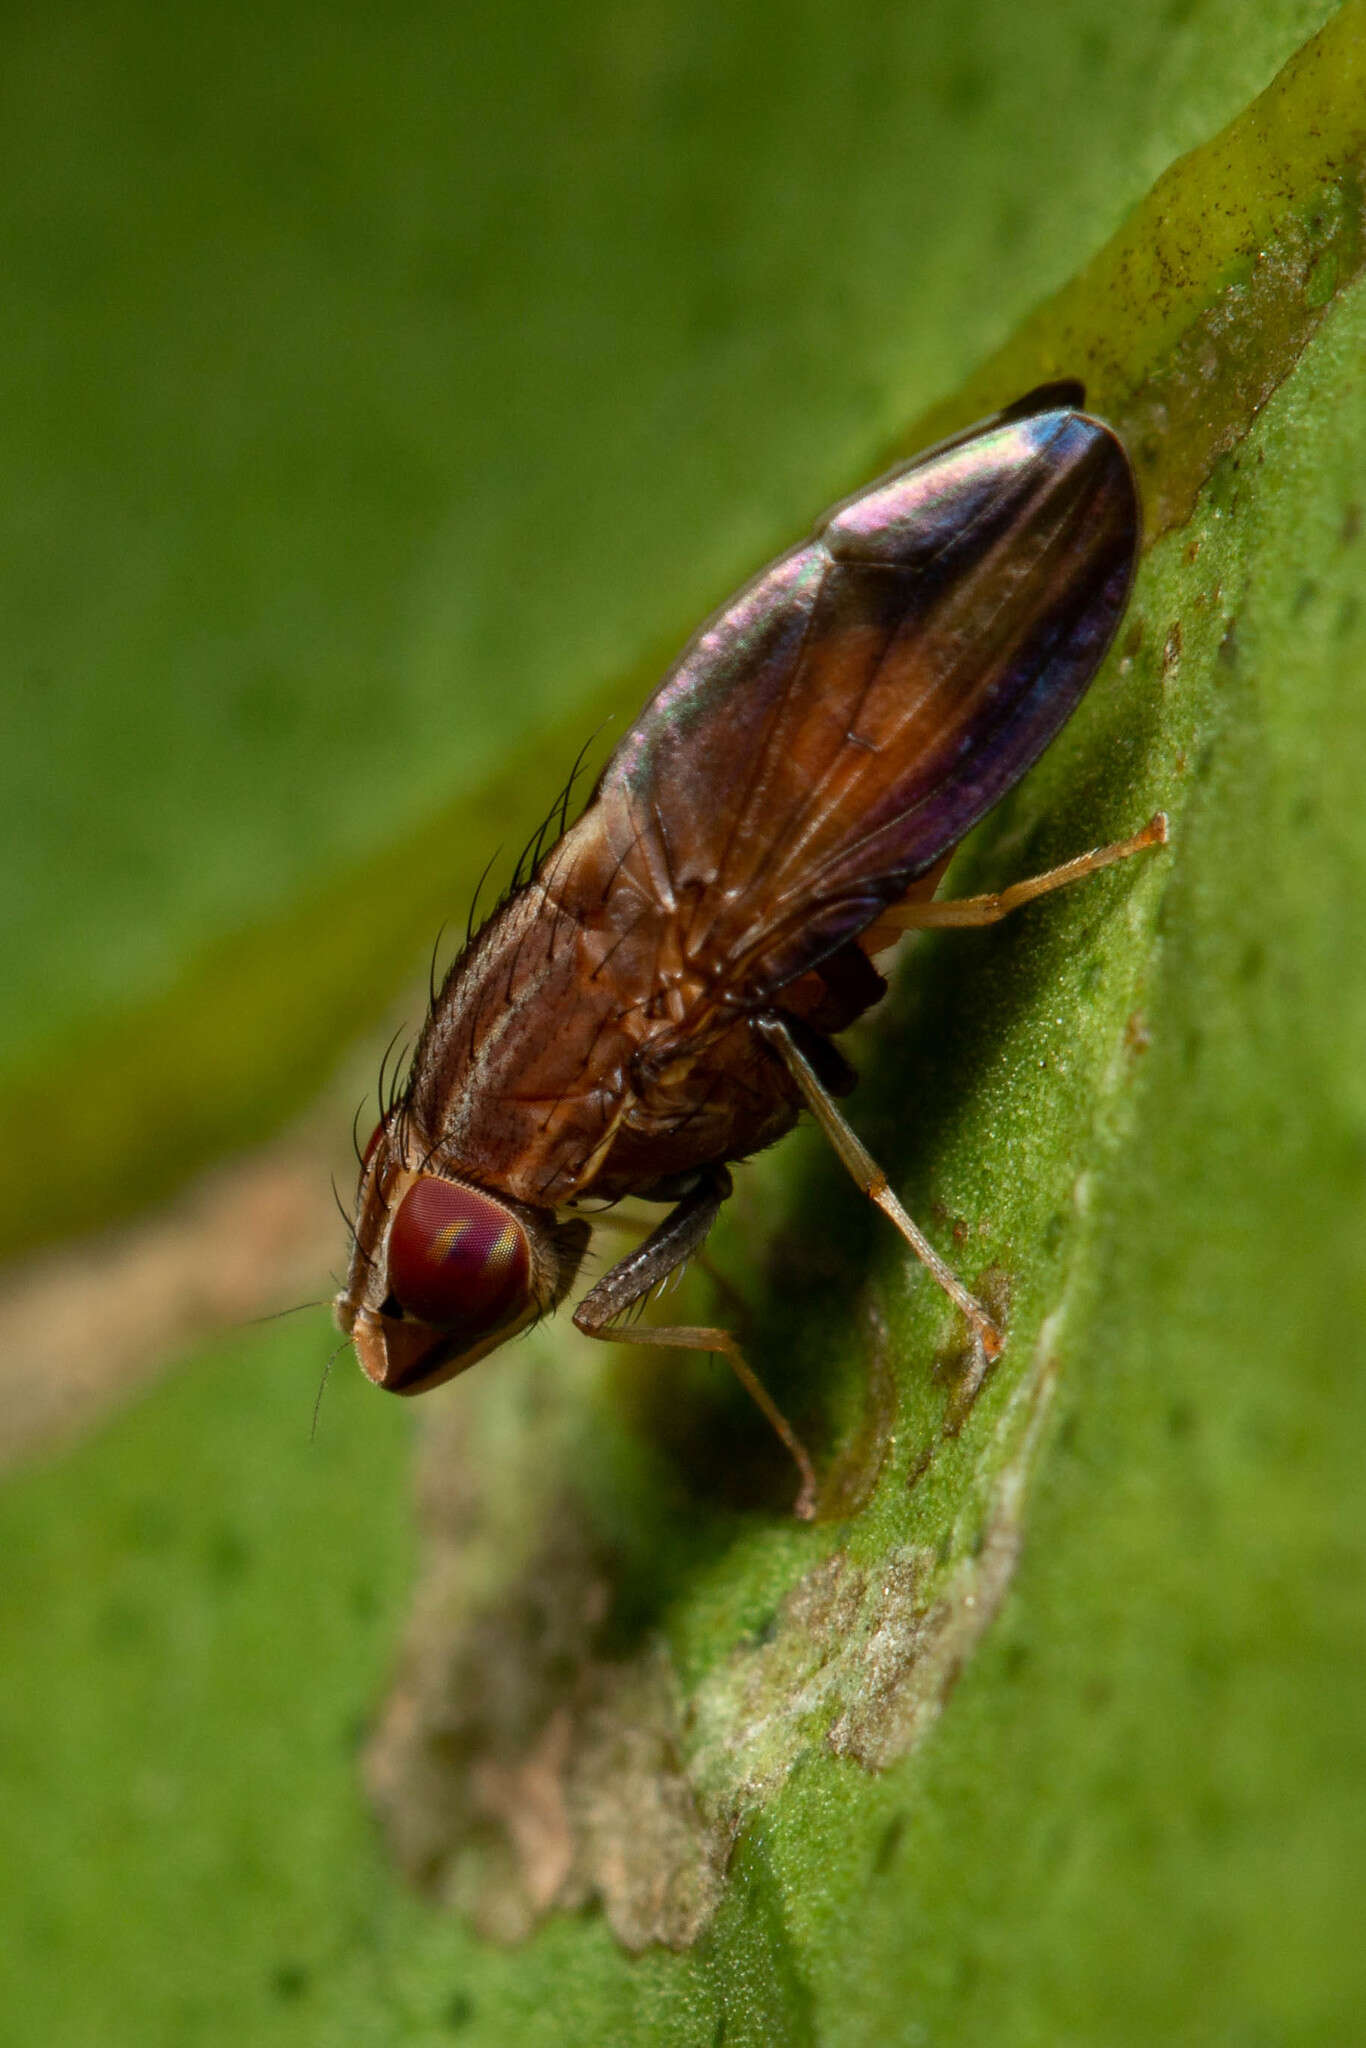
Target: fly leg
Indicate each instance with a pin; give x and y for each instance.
(632, 1226)
(669, 1244)
(978, 910)
(865, 1170)
(607, 1219)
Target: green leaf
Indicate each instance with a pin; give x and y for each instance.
(1054, 1737)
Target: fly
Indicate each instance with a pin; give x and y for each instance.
(660, 998)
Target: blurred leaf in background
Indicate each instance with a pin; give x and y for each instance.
(382, 402)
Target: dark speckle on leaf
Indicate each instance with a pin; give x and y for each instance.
(1171, 649)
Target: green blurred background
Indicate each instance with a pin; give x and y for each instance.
(383, 397)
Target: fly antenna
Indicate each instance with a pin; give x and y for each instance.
(276, 1315)
(332, 1357)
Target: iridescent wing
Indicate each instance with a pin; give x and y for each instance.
(841, 724)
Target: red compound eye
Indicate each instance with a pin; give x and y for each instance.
(458, 1259)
